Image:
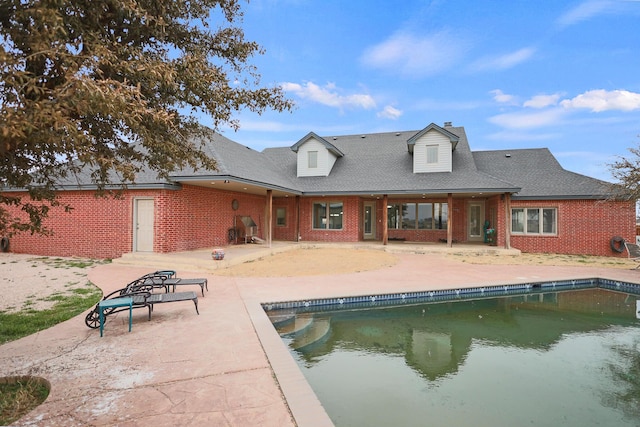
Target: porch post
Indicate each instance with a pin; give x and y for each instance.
(449, 220)
(507, 220)
(297, 231)
(385, 214)
(268, 219)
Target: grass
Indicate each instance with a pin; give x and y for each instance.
(19, 396)
(28, 321)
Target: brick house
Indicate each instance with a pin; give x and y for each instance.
(417, 186)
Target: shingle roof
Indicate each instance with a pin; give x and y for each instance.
(539, 174)
(380, 163)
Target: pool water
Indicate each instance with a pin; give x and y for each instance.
(568, 358)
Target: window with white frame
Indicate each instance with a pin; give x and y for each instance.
(417, 216)
(432, 154)
(313, 159)
(534, 221)
(327, 216)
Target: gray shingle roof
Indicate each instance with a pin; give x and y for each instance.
(380, 163)
(539, 174)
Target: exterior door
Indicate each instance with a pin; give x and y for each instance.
(476, 221)
(369, 221)
(143, 225)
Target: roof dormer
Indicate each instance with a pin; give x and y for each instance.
(432, 149)
(316, 155)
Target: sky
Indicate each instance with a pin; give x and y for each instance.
(564, 75)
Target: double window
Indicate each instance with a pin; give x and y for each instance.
(534, 221)
(417, 216)
(327, 216)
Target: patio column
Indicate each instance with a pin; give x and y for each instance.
(449, 220)
(385, 214)
(507, 220)
(297, 207)
(268, 219)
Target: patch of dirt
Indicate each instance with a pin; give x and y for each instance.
(29, 282)
(313, 262)
(548, 259)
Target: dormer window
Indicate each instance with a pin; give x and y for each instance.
(432, 154)
(316, 155)
(313, 159)
(432, 149)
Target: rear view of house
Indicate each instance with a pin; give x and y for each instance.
(419, 186)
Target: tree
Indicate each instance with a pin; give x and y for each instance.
(626, 170)
(114, 86)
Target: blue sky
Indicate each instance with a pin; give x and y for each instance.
(516, 74)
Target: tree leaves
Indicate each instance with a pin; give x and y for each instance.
(103, 86)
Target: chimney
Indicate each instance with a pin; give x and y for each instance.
(447, 124)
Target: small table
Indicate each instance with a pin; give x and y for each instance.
(113, 303)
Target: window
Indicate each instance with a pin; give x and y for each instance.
(432, 154)
(534, 221)
(281, 217)
(417, 216)
(327, 216)
(313, 159)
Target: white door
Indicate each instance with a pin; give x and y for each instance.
(369, 221)
(476, 221)
(143, 225)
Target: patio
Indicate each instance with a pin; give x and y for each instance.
(218, 368)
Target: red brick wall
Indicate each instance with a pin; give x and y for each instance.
(186, 219)
(350, 220)
(196, 217)
(96, 227)
(286, 232)
(585, 227)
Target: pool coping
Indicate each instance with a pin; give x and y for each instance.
(304, 405)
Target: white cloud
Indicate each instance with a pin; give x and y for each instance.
(602, 100)
(522, 120)
(584, 11)
(503, 62)
(503, 98)
(542, 101)
(416, 55)
(390, 112)
(329, 95)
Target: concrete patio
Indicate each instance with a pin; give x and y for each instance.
(227, 366)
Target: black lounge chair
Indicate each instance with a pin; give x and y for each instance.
(634, 252)
(141, 292)
(168, 279)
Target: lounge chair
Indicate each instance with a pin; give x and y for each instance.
(168, 279)
(141, 292)
(633, 251)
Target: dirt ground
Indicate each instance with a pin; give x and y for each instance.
(29, 282)
(312, 262)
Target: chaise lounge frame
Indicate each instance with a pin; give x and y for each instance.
(633, 251)
(141, 292)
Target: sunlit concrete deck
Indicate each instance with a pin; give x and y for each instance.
(217, 369)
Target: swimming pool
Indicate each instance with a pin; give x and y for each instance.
(541, 355)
